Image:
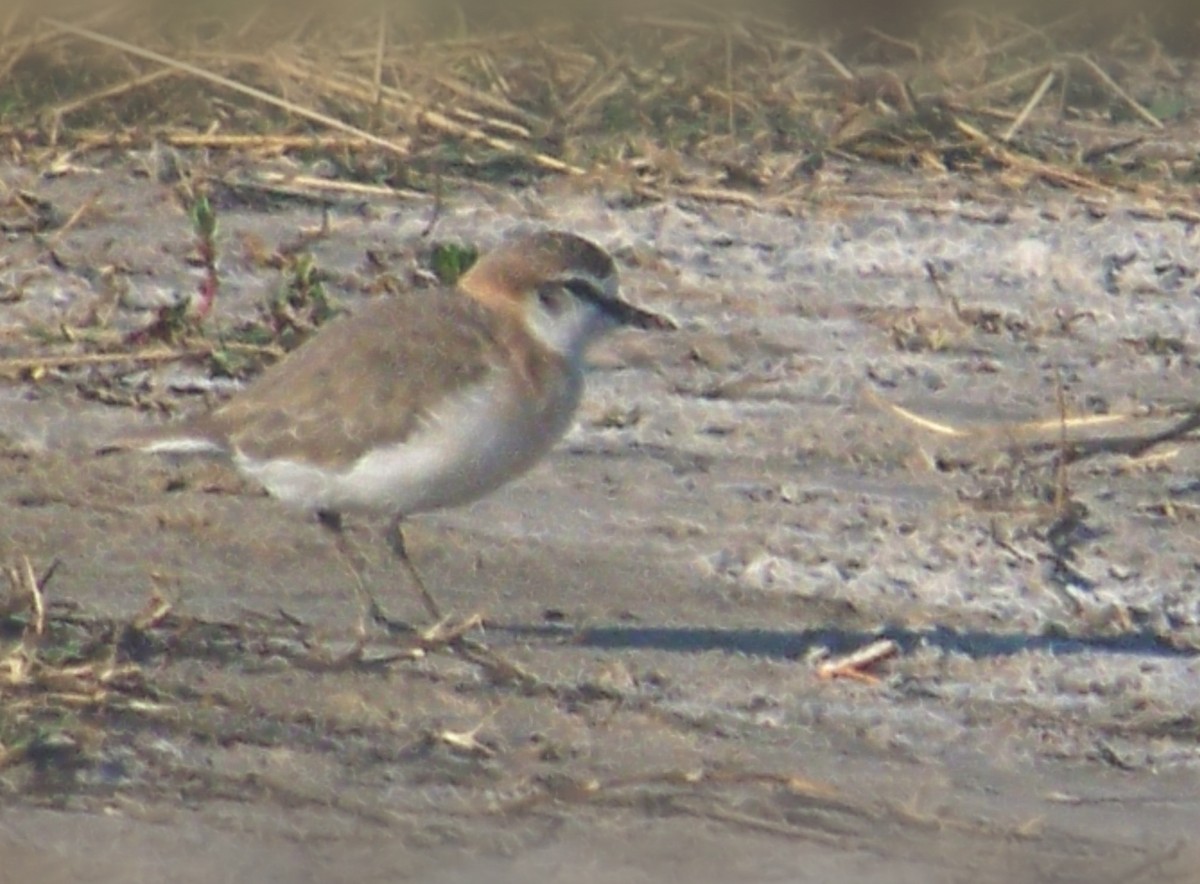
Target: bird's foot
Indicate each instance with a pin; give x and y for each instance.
(453, 634)
(377, 615)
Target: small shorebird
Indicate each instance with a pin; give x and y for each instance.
(424, 400)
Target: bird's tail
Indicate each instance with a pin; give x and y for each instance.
(185, 438)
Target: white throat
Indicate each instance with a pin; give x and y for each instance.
(569, 333)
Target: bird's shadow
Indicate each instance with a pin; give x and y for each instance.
(791, 644)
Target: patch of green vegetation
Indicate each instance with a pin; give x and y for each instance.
(171, 323)
(449, 261)
(12, 105)
(65, 649)
(298, 308)
(618, 115)
(204, 219)
(1169, 105)
(301, 303)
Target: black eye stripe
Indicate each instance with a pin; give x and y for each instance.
(584, 288)
(594, 293)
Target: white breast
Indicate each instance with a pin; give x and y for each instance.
(465, 449)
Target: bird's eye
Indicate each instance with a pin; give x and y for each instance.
(552, 298)
(584, 289)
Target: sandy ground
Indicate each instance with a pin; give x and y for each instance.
(736, 502)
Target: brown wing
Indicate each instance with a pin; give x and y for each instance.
(362, 381)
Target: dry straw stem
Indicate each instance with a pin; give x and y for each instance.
(1048, 79)
(1084, 435)
(1112, 84)
(1019, 162)
(29, 682)
(855, 664)
(64, 110)
(276, 182)
(1034, 100)
(1010, 430)
(78, 215)
(25, 586)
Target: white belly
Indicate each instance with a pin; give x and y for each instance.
(465, 450)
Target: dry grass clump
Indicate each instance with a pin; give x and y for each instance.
(57, 675)
(410, 93)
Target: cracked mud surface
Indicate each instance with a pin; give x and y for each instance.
(737, 500)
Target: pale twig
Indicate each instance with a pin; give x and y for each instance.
(380, 52)
(69, 107)
(907, 45)
(1005, 81)
(1112, 84)
(1034, 99)
(855, 664)
(76, 216)
(1046, 171)
(279, 183)
(30, 584)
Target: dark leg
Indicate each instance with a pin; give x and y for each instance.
(443, 635)
(332, 522)
(396, 541)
